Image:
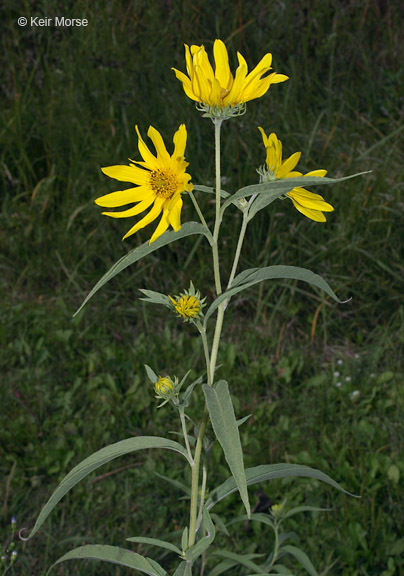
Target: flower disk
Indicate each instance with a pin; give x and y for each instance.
(160, 180)
(309, 204)
(187, 306)
(218, 89)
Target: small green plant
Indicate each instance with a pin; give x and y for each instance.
(161, 181)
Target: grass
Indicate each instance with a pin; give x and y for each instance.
(70, 386)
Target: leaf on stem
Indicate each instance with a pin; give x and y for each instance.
(115, 555)
(187, 229)
(98, 459)
(221, 412)
(253, 276)
(269, 472)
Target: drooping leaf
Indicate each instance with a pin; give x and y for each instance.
(221, 412)
(301, 557)
(299, 509)
(187, 229)
(263, 518)
(115, 555)
(155, 542)
(98, 459)
(227, 564)
(253, 276)
(281, 569)
(210, 190)
(269, 472)
(279, 187)
(242, 559)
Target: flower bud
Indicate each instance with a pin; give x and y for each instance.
(165, 388)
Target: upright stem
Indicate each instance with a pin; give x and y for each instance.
(210, 362)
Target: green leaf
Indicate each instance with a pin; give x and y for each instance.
(155, 297)
(227, 564)
(155, 542)
(269, 472)
(210, 190)
(152, 376)
(301, 557)
(187, 229)
(183, 569)
(115, 555)
(242, 559)
(281, 569)
(98, 459)
(299, 509)
(253, 276)
(225, 427)
(279, 187)
(199, 548)
(264, 518)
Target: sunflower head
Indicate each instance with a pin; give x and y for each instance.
(189, 305)
(166, 388)
(309, 204)
(159, 182)
(216, 91)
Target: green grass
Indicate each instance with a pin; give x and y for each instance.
(70, 386)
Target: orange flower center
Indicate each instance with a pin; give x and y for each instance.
(163, 183)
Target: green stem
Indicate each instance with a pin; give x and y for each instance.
(195, 480)
(238, 250)
(199, 211)
(184, 431)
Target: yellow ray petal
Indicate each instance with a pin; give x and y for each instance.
(174, 216)
(308, 201)
(132, 211)
(161, 228)
(180, 142)
(159, 145)
(312, 214)
(127, 174)
(152, 215)
(288, 165)
(317, 173)
(147, 156)
(122, 197)
(222, 72)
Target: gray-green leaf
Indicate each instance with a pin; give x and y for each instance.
(98, 459)
(269, 472)
(155, 542)
(301, 557)
(115, 555)
(253, 276)
(187, 229)
(225, 427)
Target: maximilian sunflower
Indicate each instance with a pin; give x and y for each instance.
(309, 204)
(160, 180)
(217, 89)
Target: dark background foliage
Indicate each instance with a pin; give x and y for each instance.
(324, 382)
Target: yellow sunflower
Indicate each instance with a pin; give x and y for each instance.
(309, 204)
(218, 89)
(159, 184)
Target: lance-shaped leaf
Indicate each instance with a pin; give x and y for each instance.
(183, 569)
(279, 187)
(115, 555)
(155, 297)
(155, 542)
(300, 556)
(187, 229)
(221, 412)
(210, 190)
(243, 559)
(248, 278)
(98, 459)
(270, 472)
